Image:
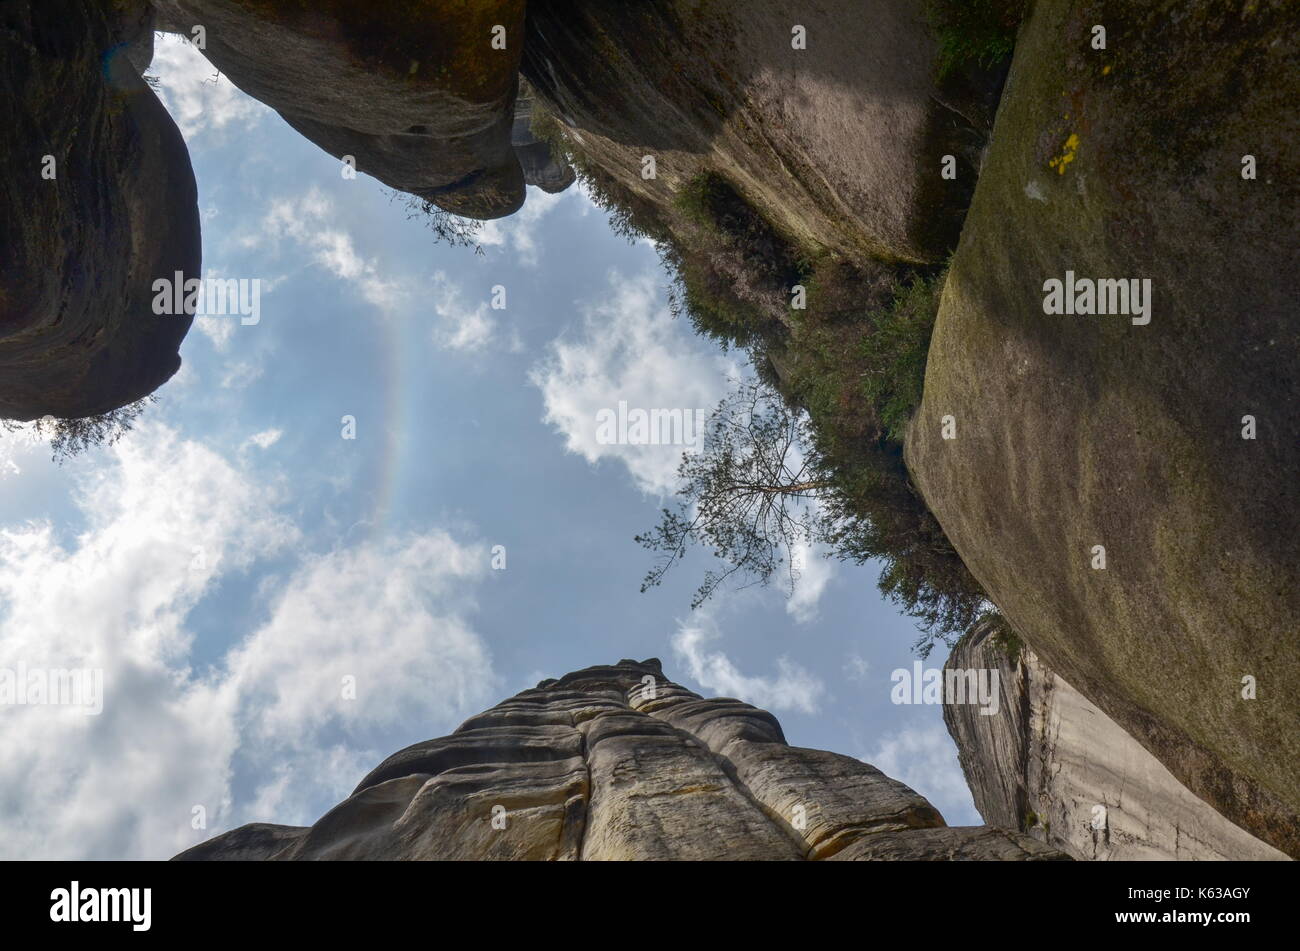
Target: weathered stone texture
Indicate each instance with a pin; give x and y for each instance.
(838, 144)
(615, 763)
(1075, 431)
(1048, 758)
(78, 335)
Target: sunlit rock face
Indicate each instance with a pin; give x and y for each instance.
(1048, 762)
(616, 763)
(420, 94)
(1125, 436)
(87, 231)
(827, 118)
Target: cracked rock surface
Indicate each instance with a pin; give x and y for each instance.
(617, 763)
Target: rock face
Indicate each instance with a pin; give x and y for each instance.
(415, 91)
(1048, 759)
(1082, 431)
(82, 249)
(616, 763)
(421, 95)
(541, 167)
(838, 143)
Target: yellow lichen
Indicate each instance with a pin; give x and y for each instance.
(1066, 156)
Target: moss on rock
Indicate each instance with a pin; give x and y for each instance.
(1075, 431)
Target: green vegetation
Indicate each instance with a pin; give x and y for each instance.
(974, 32)
(630, 216)
(453, 229)
(838, 378)
(745, 496)
(732, 271)
(71, 437)
(1008, 641)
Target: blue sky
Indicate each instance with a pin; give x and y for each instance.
(229, 562)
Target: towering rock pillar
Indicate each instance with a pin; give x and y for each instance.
(618, 763)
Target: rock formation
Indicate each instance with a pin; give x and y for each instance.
(98, 201)
(417, 93)
(618, 763)
(838, 142)
(829, 133)
(1122, 486)
(422, 96)
(1051, 764)
(540, 164)
(1080, 431)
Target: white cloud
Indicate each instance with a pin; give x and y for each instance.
(460, 326)
(793, 687)
(241, 374)
(220, 328)
(810, 583)
(925, 758)
(519, 231)
(185, 377)
(198, 97)
(310, 222)
(630, 349)
(217, 329)
(856, 667)
(390, 615)
(117, 784)
(266, 438)
(259, 732)
(17, 448)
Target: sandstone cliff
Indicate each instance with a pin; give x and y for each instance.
(1051, 764)
(1074, 432)
(838, 141)
(98, 200)
(417, 93)
(1082, 431)
(541, 166)
(422, 96)
(616, 763)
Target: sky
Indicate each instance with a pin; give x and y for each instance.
(234, 561)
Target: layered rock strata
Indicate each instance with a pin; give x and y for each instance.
(1050, 764)
(616, 763)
